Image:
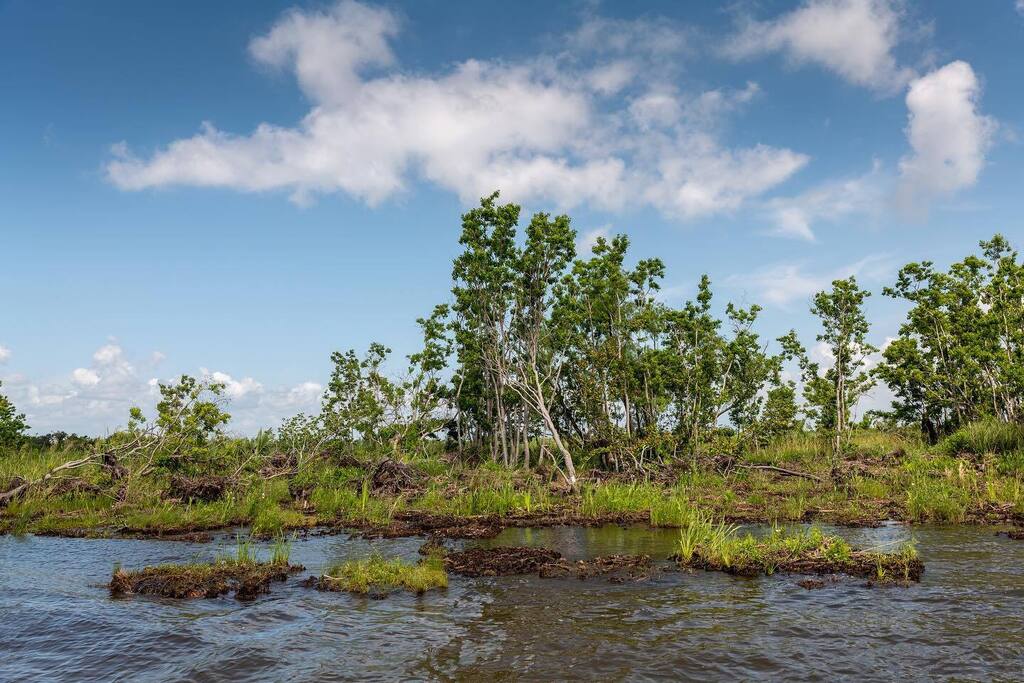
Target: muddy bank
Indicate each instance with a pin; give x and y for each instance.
(419, 523)
(546, 563)
(191, 581)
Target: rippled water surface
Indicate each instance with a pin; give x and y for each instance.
(964, 621)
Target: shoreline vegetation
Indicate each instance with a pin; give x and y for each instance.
(558, 388)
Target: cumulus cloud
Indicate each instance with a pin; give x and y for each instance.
(949, 138)
(853, 38)
(85, 377)
(540, 130)
(586, 241)
(5, 354)
(948, 135)
(96, 399)
(829, 202)
(233, 388)
(785, 283)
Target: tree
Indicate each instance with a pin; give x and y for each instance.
(959, 355)
(189, 411)
(12, 423)
(834, 393)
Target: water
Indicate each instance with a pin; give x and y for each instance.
(964, 621)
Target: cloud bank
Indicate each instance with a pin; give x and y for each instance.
(542, 129)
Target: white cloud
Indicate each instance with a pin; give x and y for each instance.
(586, 241)
(947, 133)
(95, 400)
(660, 38)
(853, 38)
(233, 389)
(783, 284)
(5, 354)
(1020, 6)
(85, 377)
(831, 201)
(538, 129)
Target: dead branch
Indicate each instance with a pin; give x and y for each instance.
(782, 471)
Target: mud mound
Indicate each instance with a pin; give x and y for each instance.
(391, 477)
(500, 561)
(617, 567)
(200, 580)
(546, 563)
(203, 488)
(71, 485)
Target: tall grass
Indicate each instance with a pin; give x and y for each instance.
(985, 436)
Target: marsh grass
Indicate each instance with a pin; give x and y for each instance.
(719, 546)
(379, 575)
(985, 436)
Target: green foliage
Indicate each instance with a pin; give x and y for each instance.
(12, 423)
(960, 354)
(384, 576)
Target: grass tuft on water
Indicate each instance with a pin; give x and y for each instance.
(380, 576)
(704, 544)
(241, 573)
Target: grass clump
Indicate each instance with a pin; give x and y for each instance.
(382, 576)
(985, 436)
(241, 573)
(719, 547)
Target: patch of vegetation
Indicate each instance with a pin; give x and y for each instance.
(381, 576)
(719, 547)
(242, 574)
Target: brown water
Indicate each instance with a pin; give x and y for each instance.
(964, 621)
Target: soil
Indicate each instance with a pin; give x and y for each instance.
(546, 563)
(205, 488)
(200, 581)
(811, 584)
(417, 523)
(500, 561)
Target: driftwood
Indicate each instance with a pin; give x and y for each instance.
(782, 471)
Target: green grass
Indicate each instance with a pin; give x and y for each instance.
(937, 500)
(378, 574)
(985, 436)
(719, 546)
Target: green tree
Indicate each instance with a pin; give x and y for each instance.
(835, 392)
(12, 423)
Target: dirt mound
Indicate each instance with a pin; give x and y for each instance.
(205, 488)
(391, 477)
(200, 580)
(279, 464)
(617, 567)
(500, 561)
(546, 563)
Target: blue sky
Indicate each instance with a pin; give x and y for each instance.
(237, 189)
